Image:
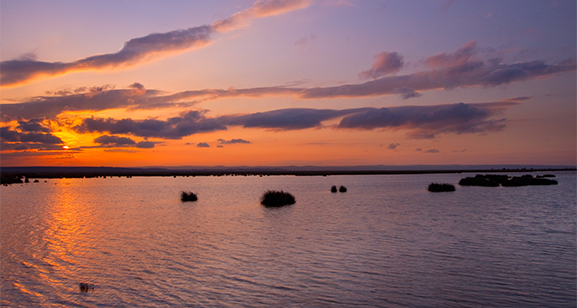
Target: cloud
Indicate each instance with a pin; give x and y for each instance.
(33, 125)
(449, 70)
(135, 51)
(9, 135)
(305, 40)
(145, 144)
(419, 121)
(385, 63)
(233, 141)
(143, 49)
(203, 145)
(286, 119)
(93, 99)
(120, 142)
(453, 59)
(12, 140)
(261, 8)
(188, 123)
(432, 151)
(393, 146)
(429, 121)
(114, 141)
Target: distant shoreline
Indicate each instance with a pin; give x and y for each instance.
(92, 172)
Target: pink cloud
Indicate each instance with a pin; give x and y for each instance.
(385, 63)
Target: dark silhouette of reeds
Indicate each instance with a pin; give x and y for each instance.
(334, 189)
(441, 187)
(273, 198)
(14, 179)
(491, 180)
(188, 196)
(85, 287)
(480, 180)
(528, 180)
(342, 189)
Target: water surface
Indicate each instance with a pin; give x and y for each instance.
(387, 242)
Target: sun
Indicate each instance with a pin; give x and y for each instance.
(65, 147)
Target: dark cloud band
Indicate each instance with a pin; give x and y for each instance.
(419, 121)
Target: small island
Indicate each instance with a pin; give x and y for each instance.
(273, 198)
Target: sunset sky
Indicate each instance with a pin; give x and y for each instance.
(287, 82)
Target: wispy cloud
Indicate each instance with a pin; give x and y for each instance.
(261, 8)
(93, 99)
(143, 49)
(233, 141)
(393, 146)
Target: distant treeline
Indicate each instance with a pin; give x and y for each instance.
(12, 174)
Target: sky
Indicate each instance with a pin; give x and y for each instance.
(135, 83)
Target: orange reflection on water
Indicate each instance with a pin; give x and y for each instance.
(67, 229)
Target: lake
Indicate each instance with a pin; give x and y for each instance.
(386, 242)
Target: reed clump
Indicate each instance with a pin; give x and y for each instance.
(441, 187)
(342, 189)
(85, 287)
(188, 196)
(334, 189)
(272, 198)
(492, 180)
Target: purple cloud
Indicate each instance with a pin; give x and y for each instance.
(233, 141)
(393, 146)
(419, 121)
(19, 141)
(189, 123)
(385, 63)
(33, 125)
(450, 70)
(428, 121)
(114, 141)
(203, 145)
(286, 119)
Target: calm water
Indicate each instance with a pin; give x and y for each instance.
(387, 242)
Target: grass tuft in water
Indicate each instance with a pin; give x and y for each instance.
(273, 198)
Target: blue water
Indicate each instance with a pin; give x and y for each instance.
(387, 242)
